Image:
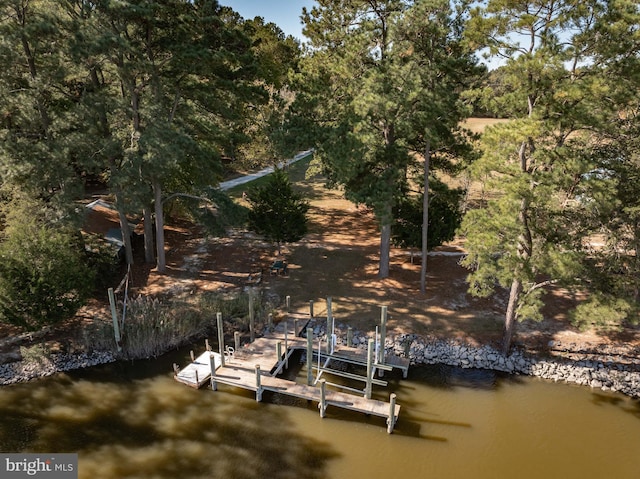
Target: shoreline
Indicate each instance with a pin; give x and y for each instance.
(596, 372)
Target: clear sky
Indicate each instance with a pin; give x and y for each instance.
(284, 13)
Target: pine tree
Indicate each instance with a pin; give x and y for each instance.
(166, 79)
(380, 83)
(277, 211)
(445, 217)
(531, 235)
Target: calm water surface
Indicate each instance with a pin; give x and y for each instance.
(132, 420)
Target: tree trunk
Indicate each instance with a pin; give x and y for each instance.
(385, 249)
(124, 223)
(524, 251)
(125, 229)
(149, 255)
(636, 268)
(510, 317)
(425, 218)
(161, 265)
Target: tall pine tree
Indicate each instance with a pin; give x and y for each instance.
(555, 90)
(381, 81)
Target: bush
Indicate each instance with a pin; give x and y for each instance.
(277, 211)
(43, 275)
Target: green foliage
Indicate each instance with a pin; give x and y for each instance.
(277, 55)
(277, 211)
(544, 169)
(102, 262)
(601, 312)
(381, 81)
(444, 217)
(43, 275)
(144, 95)
(219, 213)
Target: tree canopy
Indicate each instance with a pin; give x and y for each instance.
(543, 165)
(381, 80)
(148, 96)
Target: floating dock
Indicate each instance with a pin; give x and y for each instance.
(256, 365)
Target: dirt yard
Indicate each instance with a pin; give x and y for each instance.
(338, 259)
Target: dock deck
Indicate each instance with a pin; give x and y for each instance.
(255, 366)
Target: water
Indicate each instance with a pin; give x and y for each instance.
(132, 420)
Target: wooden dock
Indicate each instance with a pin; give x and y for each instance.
(255, 366)
(198, 372)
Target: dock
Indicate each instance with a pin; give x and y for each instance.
(255, 367)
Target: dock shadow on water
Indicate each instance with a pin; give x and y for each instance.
(133, 421)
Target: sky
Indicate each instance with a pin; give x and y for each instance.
(284, 13)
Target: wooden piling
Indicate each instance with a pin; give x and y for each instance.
(114, 317)
(349, 337)
(286, 345)
(270, 321)
(329, 334)
(252, 334)
(391, 420)
(212, 362)
(368, 388)
(383, 334)
(206, 345)
(236, 340)
(279, 353)
(258, 384)
(220, 337)
(193, 356)
(309, 356)
(323, 398)
(311, 308)
(295, 327)
(287, 300)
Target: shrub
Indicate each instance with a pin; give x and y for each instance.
(277, 211)
(43, 275)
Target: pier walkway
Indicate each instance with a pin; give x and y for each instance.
(255, 367)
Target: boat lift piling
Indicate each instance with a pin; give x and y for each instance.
(220, 337)
(309, 356)
(369, 387)
(212, 365)
(383, 335)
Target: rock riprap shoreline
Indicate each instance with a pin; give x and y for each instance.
(596, 373)
(25, 370)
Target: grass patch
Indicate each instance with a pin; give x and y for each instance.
(153, 326)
